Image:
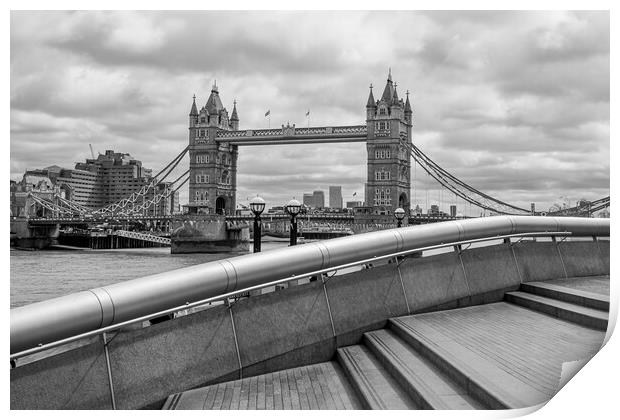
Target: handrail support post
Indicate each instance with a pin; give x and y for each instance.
(109, 368)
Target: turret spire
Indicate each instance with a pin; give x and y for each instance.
(408, 104)
(395, 96)
(194, 110)
(388, 92)
(234, 116)
(371, 99)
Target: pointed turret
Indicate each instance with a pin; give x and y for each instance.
(214, 104)
(234, 116)
(194, 111)
(371, 99)
(388, 92)
(408, 104)
(395, 100)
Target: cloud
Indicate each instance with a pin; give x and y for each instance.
(514, 103)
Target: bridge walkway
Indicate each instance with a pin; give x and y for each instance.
(507, 354)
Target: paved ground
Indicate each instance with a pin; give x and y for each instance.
(314, 387)
(596, 284)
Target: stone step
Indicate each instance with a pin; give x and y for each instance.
(375, 387)
(424, 382)
(486, 382)
(588, 317)
(312, 387)
(567, 294)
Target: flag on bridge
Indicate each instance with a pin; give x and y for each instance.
(268, 113)
(308, 113)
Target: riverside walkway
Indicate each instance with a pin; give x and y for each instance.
(498, 355)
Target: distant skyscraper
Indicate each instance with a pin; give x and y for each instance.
(453, 210)
(319, 199)
(308, 200)
(335, 197)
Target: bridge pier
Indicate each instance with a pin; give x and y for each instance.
(38, 237)
(208, 234)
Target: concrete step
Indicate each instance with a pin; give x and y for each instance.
(375, 387)
(484, 381)
(425, 383)
(312, 387)
(588, 317)
(567, 294)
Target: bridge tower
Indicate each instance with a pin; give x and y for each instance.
(389, 121)
(213, 164)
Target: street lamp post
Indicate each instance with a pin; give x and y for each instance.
(293, 208)
(400, 215)
(257, 205)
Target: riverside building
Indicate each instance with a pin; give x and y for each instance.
(102, 181)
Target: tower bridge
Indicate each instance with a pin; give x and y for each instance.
(215, 137)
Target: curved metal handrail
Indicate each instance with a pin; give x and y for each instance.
(82, 312)
(190, 305)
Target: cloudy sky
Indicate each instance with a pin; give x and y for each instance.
(514, 103)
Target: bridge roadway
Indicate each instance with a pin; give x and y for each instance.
(294, 135)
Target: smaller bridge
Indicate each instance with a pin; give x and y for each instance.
(43, 221)
(292, 135)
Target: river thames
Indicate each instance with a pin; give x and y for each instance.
(46, 274)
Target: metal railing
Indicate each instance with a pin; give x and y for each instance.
(190, 305)
(59, 321)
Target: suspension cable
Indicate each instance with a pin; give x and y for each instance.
(456, 180)
(447, 180)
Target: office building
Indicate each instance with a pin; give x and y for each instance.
(335, 197)
(99, 182)
(308, 200)
(319, 199)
